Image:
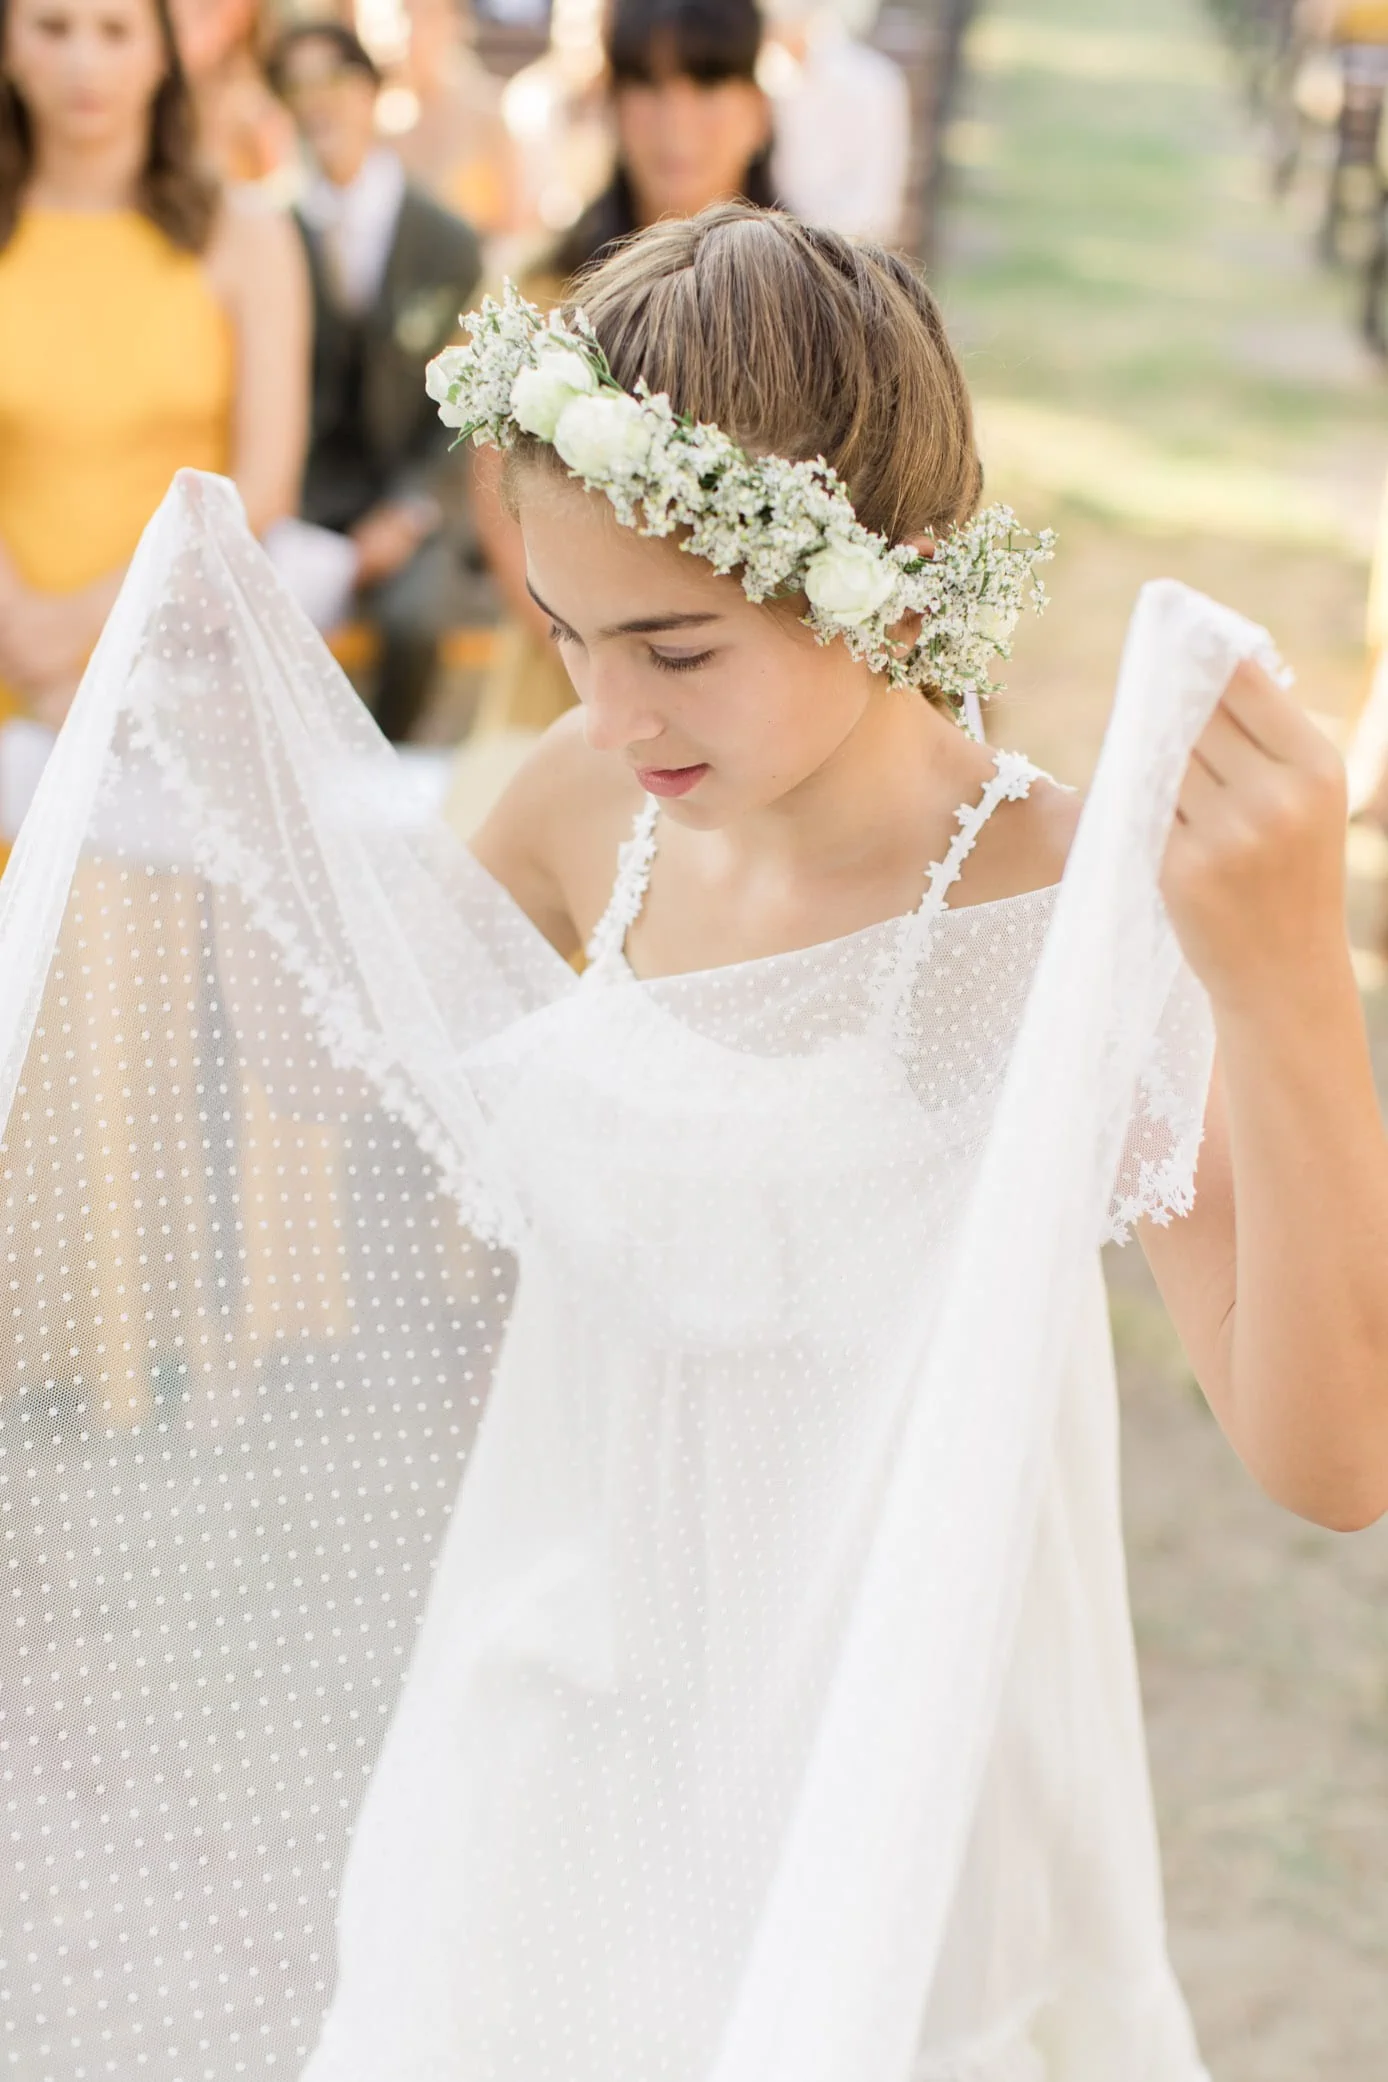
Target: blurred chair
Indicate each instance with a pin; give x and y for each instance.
(1356, 32)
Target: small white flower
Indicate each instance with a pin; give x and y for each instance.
(439, 378)
(849, 581)
(603, 437)
(996, 623)
(781, 525)
(539, 394)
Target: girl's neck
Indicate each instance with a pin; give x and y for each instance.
(903, 766)
(90, 178)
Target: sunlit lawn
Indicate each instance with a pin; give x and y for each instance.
(1112, 252)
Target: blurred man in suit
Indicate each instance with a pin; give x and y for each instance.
(390, 269)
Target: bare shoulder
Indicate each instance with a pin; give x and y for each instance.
(1054, 819)
(1025, 845)
(552, 837)
(254, 251)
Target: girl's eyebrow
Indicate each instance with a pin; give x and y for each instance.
(644, 625)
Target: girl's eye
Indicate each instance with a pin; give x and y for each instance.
(560, 635)
(689, 661)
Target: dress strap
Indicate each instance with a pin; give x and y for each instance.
(634, 860)
(1010, 781)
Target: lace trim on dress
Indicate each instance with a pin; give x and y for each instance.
(634, 862)
(1156, 1179)
(349, 1040)
(1011, 781)
(1155, 1186)
(1166, 1189)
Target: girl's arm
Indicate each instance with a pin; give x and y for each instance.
(45, 637)
(1278, 1279)
(257, 267)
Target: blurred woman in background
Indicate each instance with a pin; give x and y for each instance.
(244, 132)
(145, 324)
(454, 141)
(691, 127)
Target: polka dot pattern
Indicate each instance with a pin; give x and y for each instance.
(445, 1408)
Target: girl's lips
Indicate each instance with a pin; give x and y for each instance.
(670, 780)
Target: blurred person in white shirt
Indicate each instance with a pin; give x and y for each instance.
(842, 116)
(382, 532)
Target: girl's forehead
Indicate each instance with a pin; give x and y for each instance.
(575, 543)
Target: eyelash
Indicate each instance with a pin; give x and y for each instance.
(690, 664)
(558, 634)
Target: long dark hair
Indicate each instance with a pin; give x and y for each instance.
(706, 40)
(175, 191)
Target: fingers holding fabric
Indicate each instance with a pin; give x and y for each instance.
(1254, 869)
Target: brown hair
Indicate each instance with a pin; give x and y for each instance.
(798, 343)
(175, 192)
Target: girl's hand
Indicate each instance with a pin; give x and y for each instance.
(1254, 875)
(51, 704)
(42, 638)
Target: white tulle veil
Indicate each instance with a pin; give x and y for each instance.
(261, 1251)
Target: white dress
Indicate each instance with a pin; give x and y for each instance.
(737, 1191)
(773, 1717)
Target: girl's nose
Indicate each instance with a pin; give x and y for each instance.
(616, 713)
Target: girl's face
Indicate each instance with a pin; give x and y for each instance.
(334, 104)
(208, 30)
(685, 143)
(718, 706)
(86, 70)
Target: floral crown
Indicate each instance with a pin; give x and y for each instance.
(788, 527)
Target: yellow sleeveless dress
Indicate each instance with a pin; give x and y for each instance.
(117, 367)
(1362, 21)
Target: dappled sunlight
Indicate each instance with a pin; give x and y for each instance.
(1109, 467)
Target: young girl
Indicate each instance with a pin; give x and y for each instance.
(774, 1717)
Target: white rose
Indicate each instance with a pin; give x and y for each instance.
(439, 378)
(849, 581)
(995, 624)
(603, 437)
(539, 395)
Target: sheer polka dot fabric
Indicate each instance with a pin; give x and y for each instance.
(532, 1546)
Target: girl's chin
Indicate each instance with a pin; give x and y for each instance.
(703, 809)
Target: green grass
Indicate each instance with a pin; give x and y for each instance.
(1111, 251)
